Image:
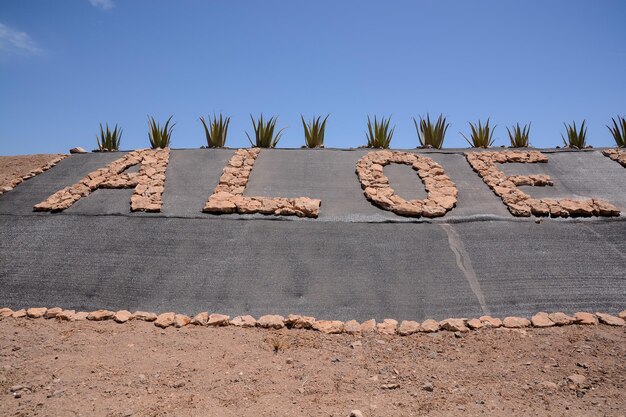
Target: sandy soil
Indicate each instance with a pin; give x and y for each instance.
(13, 168)
(50, 368)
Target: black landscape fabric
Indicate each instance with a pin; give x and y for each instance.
(354, 261)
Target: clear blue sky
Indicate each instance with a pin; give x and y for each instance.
(66, 66)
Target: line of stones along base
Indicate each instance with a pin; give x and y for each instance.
(293, 321)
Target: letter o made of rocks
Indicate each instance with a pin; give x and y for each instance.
(442, 192)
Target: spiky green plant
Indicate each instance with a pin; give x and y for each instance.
(216, 130)
(576, 138)
(618, 130)
(378, 133)
(519, 135)
(481, 136)
(160, 137)
(431, 135)
(314, 131)
(109, 140)
(264, 136)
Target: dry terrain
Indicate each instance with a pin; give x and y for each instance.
(51, 368)
(13, 168)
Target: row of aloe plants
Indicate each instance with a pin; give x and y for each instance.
(430, 133)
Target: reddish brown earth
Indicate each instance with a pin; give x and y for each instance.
(12, 168)
(50, 368)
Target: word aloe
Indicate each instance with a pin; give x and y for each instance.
(378, 134)
(264, 136)
(576, 139)
(519, 135)
(431, 135)
(160, 137)
(109, 140)
(216, 130)
(314, 131)
(481, 136)
(618, 130)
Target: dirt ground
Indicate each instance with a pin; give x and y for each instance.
(14, 167)
(50, 368)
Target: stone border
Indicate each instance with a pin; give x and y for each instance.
(31, 174)
(618, 155)
(293, 321)
(441, 191)
(228, 195)
(148, 183)
(521, 204)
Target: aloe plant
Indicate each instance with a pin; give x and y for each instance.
(576, 138)
(264, 136)
(519, 135)
(160, 137)
(109, 140)
(314, 131)
(431, 135)
(216, 130)
(481, 136)
(378, 133)
(618, 130)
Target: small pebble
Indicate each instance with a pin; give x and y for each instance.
(428, 386)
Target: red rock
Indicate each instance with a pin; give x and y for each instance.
(388, 326)
(100, 315)
(454, 325)
(548, 385)
(144, 315)
(299, 322)
(447, 202)
(622, 315)
(67, 315)
(538, 207)
(475, 324)
(610, 320)
(5, 312)
(81, 316)
(585, 318)
(489, 321)
(407, 209)
(328, 326)
(433, 210)
(19, 314)
(309, 207)
(604, 208)
(429, 326)
(219, 206)
(578, 207)
(577, 379)
(515, 322)
(561, 319)
(408, 327)
(165, 320)
(271, 322)
(541, 320)
(181, 320)
(352, 327)
(36, 312)
(122, 316)
(200, 319)
(218, 320)
(519, 209)
(368, 326)
(53, 312)
(243, 321)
